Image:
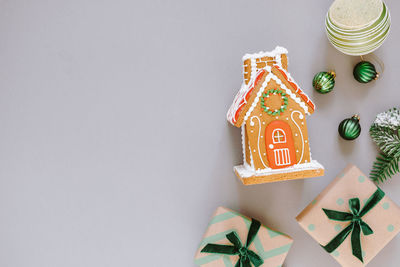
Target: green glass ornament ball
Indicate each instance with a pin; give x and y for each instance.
(350, 128)
(324, 81)
(364, 72)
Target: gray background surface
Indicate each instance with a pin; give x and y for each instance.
(114, 147)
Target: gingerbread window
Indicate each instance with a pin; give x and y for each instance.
(278, 136)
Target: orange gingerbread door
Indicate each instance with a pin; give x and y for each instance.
(279, 145)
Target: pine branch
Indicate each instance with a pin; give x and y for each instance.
(384, 167)
(385, 132)
(387, 139)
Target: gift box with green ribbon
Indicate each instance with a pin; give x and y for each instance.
(234, 240)
(351, 219)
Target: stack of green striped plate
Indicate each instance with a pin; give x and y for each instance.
(354, 36)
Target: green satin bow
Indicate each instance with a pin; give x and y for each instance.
(246, 256)
(356, 226)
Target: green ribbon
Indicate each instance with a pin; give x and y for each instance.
(356, 226)
(246, 256)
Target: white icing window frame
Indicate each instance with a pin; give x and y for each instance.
(279, 141)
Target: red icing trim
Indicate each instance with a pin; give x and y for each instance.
(297, 89)
(243, 101)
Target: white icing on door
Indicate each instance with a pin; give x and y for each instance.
(282, 157)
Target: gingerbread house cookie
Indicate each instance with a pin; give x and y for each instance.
(271, 110)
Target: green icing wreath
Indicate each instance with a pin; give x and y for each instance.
(276, 111)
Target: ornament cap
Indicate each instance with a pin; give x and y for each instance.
(376, 76)
(333, 73)
(356, 116)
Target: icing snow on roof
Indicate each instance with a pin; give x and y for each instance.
(296, 87)
(241, 98)
(277, 51)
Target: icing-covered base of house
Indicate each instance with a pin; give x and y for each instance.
(298, 171)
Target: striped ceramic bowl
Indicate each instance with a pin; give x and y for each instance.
(362, 40)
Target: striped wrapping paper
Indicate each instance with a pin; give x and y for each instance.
(270, 245)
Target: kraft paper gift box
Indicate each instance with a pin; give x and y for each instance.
(364, 231)
(271, 247)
